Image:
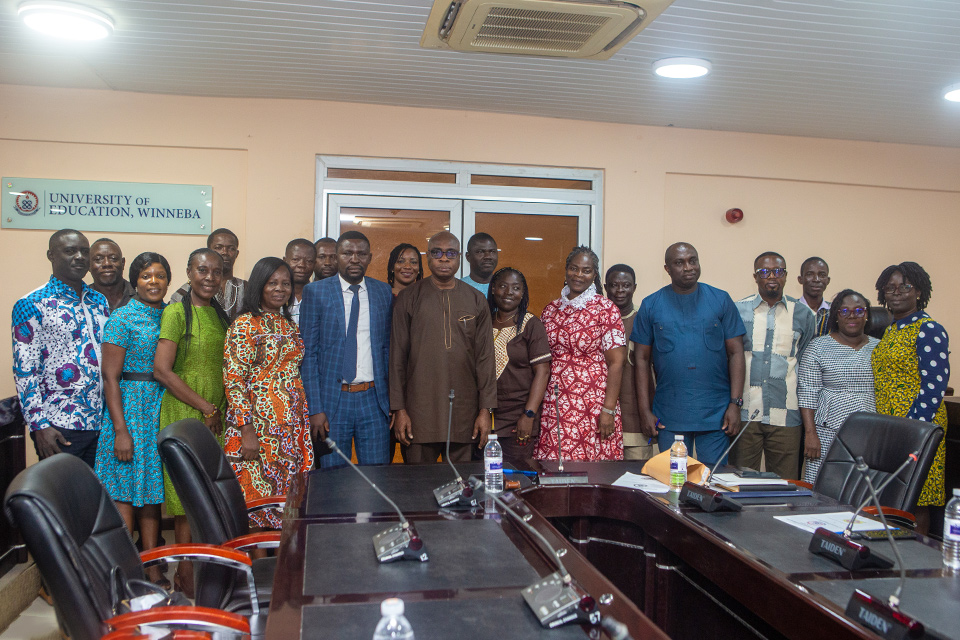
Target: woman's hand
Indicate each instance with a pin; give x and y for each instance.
(249, 443)
(606, 424)
(123, 446)
(211, 418)
(811, 445)
(524, 429)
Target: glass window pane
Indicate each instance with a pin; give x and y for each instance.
(537, 245)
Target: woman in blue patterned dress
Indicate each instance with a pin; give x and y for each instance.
(127, 460)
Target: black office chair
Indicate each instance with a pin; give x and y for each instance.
(880, 319)
(76, 536)
(213, 501)
(884, 442)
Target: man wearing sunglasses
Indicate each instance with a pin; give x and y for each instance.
(442, 339)
(778, 328)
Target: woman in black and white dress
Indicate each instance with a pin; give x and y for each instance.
(835, 377)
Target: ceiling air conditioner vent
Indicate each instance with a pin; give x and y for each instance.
(562, 28)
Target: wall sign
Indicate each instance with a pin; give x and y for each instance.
(134, 207)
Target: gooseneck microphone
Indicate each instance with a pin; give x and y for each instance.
(399, 542)
(709, 479)
(915, 456)
(885, 619)
(458, 492)
(706, 498)
(560, 476)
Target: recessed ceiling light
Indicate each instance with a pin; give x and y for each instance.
(682, 67)
(952, 93)
(534, 239)
(65, 20)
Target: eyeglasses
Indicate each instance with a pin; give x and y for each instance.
(766, 273)
(436, 254)
(906, 287)
(858, 312)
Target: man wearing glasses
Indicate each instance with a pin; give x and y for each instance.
(778, 330)
(442, 339)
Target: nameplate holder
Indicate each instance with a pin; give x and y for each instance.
(563, 477)
(707, 499)
(878, 616)
(848, 554)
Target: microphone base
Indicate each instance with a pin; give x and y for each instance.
(707, 499)
(886, 621)
(399, 543)
(850, 555)
(562, 477)
(556, 603)
(454, 495)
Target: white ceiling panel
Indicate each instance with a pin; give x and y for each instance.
(850, 69)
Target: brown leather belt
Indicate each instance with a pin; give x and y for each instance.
(354, 388)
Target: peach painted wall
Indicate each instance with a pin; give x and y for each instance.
(860, 205)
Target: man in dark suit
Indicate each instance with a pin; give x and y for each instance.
(345, 324)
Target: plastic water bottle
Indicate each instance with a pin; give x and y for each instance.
(392, 625)
(951, 532)
(493, 465)
(678, 464)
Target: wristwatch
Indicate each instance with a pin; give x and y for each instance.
(529, 414)
(737, 401)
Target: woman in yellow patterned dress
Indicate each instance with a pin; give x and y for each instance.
(911, 367)
(267, 435)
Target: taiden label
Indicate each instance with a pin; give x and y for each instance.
(492, 464)
(951, 529)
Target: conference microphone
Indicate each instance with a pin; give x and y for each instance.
(554, 599)
(399, 542)
(560, 476)
(839, 548)
(707, 499)
(457, 493)
(883, 618)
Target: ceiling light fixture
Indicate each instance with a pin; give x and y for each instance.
(683, 68)
(952, 93)
(533, 239)
(66, 20)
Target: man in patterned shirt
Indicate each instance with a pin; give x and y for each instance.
(778, 330)
(57, 332)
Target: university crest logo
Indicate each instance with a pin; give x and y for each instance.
(27, 203)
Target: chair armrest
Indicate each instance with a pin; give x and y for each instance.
(904, 518)
(802, 484)
(212, 553)
(202, 617)
(266, 502)
(175, 634)
(259, 540)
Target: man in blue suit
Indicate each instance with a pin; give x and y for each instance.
(345, 324)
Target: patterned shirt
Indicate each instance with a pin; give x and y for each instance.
(56, 356)
(230, 296)
(823, 315)
(776, 337)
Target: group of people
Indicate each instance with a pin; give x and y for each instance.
(310, 346)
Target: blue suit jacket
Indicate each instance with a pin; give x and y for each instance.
(323, 326)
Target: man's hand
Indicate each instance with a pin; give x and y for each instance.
(47, 442)
(731, 420)
(606, 423)
(811, 445)
(249, 443)
(402, 427)
(481, 427)
(524, 429)
(649, 424)
(319, 426)
(123, 446)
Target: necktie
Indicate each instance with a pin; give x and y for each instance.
(349, 370)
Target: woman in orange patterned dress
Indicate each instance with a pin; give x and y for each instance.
(267, 435)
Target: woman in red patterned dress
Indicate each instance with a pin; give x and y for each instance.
(588, 345)
(267, 436)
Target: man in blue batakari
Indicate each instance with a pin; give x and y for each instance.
(693, 334)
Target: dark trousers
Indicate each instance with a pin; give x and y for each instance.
(83, 444)
(428, 452)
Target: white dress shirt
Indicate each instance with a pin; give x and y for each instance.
(364, 348)
(294, 308)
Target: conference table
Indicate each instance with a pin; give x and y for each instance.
(661, 568)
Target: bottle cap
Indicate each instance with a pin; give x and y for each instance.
(677, 438)
(492, 436)
(956, 492)
(391, 607)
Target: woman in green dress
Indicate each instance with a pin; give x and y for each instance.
(911, 367)
(189, 364)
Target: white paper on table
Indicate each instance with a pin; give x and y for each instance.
(641, 482)
(733, 480)
(835, 522)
